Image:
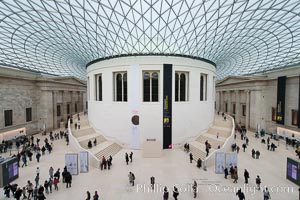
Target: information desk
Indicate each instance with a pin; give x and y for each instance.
(152, 149)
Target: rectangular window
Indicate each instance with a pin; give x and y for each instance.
(58, 113)
(150, 86)
(98, 87)
(28, 114)
(68, 108)
(295, 117)
(120, 86)
(203, 87)
(226, 107)
(8, 117)
(274, 114)
(233, 108)
(181, 86)
(244, 110)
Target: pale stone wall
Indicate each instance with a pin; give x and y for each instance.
(21, 89)
(263, 96)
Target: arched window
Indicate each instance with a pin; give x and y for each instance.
(150, 81)
(125, 87)
(120, 86)
(181, 86)
(98, 87)
(176, 86)
(203, 87)
(154, 86)
(146, 86)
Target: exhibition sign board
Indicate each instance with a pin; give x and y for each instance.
(84, 161)
(219, 162)
(223, 160)
(71, 161)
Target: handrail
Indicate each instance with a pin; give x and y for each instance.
(224, 146)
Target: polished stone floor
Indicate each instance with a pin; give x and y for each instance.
(172, 169)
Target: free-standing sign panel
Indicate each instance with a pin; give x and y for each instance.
(231, 160)
(84, 161)
(293, 171)
(71, 161)
(219, 162)
(9, 170)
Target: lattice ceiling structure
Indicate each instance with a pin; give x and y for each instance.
(61, 36)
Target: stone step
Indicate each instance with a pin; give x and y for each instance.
(83, 132)
(213, 141)
(109, 150)
(99, 139)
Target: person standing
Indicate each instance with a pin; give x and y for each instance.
(244, 147)
(237, 149)
(195, 190)
(253, 153)
(258, 182)
(29, 188)
(51, 171)
(166, 193)
(96, 196)
(88, 195)
(50, 183)
(130, 156)
(191, 158)
(37, 178)
(246, 175)
(152, 182)
(126, 158)
(257, 153)
(55, 183)
(175, 193)
(225, 172)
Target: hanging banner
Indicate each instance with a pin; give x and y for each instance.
(231, 160)
(219, 162)
(84, 161)
(71, 161)
(281, 82)
(167, 106)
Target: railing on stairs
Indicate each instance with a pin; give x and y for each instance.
(209, 160)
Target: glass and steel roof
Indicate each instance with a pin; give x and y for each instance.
(61, 36)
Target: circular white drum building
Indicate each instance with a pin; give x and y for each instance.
(132, 99)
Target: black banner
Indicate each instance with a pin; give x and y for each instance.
(281, 82)
(299, 105)
(167, 106)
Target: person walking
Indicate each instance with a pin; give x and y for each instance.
(37, 178)
(131, 178)
(29, 188)
(258, 182)
(50, 183)
(240, 194)
(253, 153)
(175, 193)
(51, 171)
(246, 175)
(152, 182)
(55, 183)
(225, 172)
(244, 147)
(267, 195)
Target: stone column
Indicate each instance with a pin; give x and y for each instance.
(72, 107)
(221, 101)
(229, 106)
(248, 109)
(237, 106)
(54, 94)
(64, 106)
